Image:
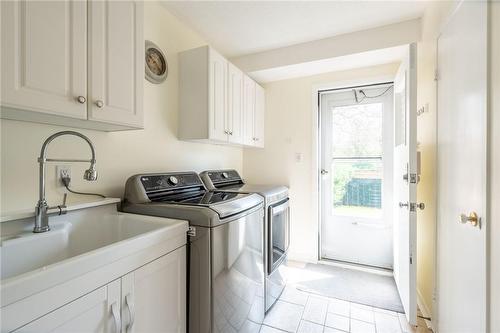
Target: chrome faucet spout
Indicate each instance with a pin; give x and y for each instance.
(42, 210)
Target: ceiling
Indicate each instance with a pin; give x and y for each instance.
(238, 28)
(358, 60)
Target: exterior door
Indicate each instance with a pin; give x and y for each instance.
(44, 57)
(116, 68)
(356, 180)
(462, 172)
(405, 183)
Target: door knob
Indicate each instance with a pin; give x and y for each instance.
(99, 104)
(81, 99)
(472, 218)
(324, 172)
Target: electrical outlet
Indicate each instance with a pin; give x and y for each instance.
(62, 171)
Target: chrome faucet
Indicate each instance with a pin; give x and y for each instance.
(42, 210)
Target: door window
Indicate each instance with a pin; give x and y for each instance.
(357, 160)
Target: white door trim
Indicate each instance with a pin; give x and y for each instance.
(315, 162)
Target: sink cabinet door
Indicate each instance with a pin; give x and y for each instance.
(96, 312)
(154, 296)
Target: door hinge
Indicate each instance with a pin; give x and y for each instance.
(411, 260)
(191, 231)
(413, 178)
(436, 75)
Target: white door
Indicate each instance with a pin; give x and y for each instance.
(405, 183)
(461, 173)
(235, 104)
(260, 109)
(356, 182)
(44, 57)
(217, 91)
(116, 62)
(96, 312)
(154, 296)
(249, 110)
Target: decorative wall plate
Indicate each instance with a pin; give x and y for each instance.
(155, 63)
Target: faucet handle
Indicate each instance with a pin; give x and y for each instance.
(64, 200)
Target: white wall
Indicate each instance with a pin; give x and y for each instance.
(119, 154)
(288, 132)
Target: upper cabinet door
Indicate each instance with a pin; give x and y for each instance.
(44, 62)
(249, 110)
(116, 62)
(235, 103)
(260, 108)
(217, 93)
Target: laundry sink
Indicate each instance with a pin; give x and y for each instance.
(77, 243)
(27, 251)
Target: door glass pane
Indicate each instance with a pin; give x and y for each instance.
(357, 187)
(357, 160)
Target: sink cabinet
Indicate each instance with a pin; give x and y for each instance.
(73, 63)
(218, 102)
(151, 298)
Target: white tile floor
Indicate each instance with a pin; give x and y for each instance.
(300, 312)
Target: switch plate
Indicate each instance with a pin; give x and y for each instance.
(62, 171)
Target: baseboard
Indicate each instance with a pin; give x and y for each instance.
(424, 309)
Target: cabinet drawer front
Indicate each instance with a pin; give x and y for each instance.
(116, 61)
(44, 56)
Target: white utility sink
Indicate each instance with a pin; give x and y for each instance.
(77, 243)
(26, 251)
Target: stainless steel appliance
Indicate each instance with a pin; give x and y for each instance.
(277, 223)
(226, 248)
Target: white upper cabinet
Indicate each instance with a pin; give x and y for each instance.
(73, 63)
(116, 69)
(217, 101)
(260, 107)
(44, 57)
(249, 110)
(217, 87)
(235, 104)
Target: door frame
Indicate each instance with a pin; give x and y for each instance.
(315, 151)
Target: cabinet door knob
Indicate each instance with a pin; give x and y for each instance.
(99, 103)
(230, 132)
(81, 99)
(226, 132)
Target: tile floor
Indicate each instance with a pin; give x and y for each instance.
(301, 312)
